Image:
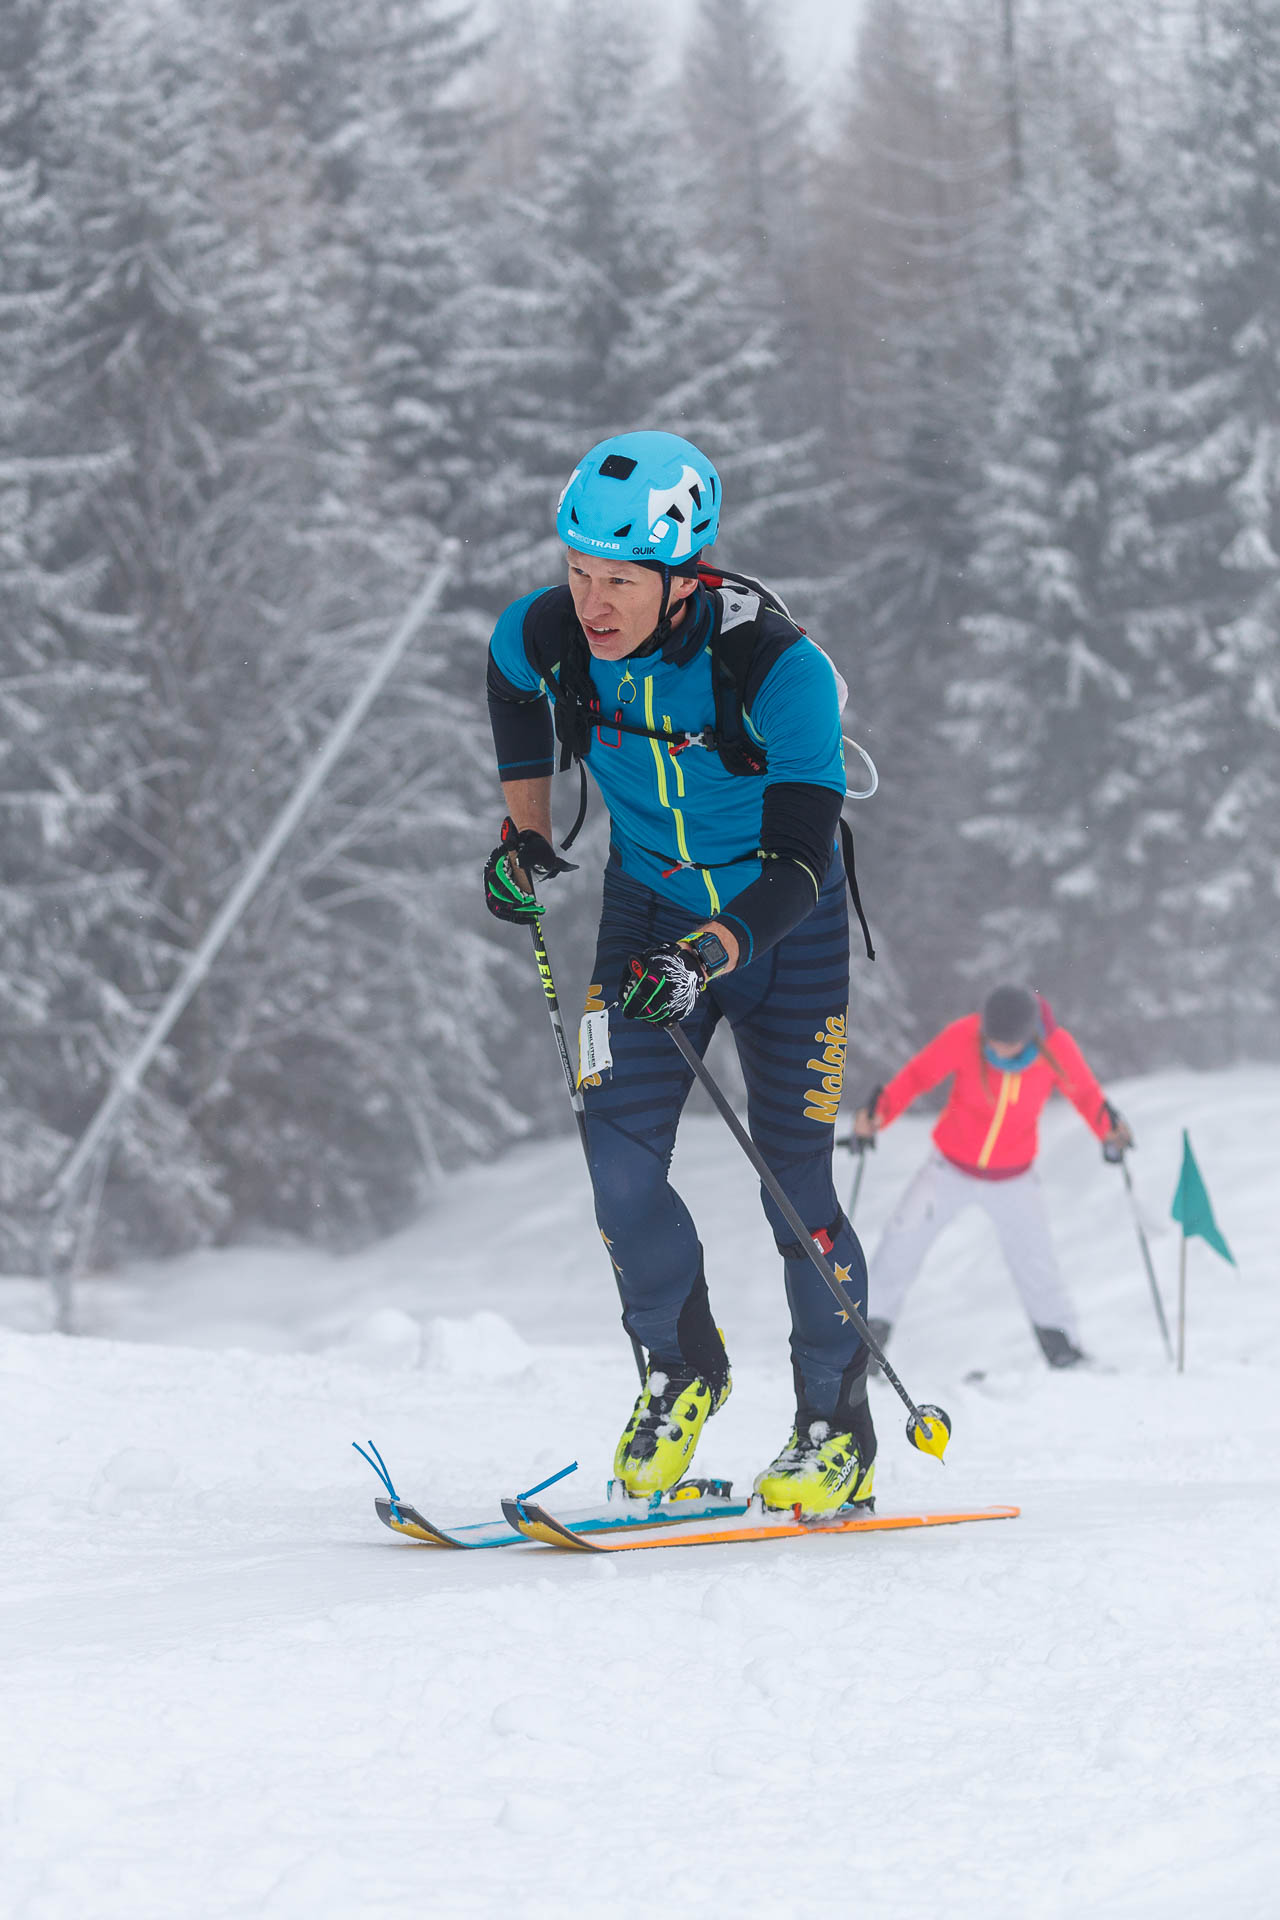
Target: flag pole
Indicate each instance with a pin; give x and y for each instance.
(1193, 1213)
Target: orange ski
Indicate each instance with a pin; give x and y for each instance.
(535, 1523)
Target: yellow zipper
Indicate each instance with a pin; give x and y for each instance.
(660, 768)
(1009, 1085)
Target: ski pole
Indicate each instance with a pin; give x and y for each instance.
(1115, 1156)
(575, 1094)
(861, 1148)
(929, 1428)
(1146, 1259)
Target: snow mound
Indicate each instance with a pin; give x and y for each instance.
(133, 1478)
(387, 1337)
(483, 1346)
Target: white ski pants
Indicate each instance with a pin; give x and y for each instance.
(1017, 1209)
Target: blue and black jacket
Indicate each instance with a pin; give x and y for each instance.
(751, 852)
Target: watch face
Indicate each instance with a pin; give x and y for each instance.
(711, 950)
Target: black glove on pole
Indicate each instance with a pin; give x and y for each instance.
(536, 858)
(575, 1094)
(929, 1428)
(661, 985)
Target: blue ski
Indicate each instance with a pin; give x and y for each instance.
(692, 1500)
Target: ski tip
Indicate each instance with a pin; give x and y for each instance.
(535, 1523)
(408, 1522)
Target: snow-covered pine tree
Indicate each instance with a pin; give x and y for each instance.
(914, 210)
(411, 129)
(748, 156)
(133, 365)
(750, 166)
(1204, 548)
(203, 339)
(600, 309)
(401, 833)
(1059, 885)
(745, 169)
(62, 712)
(74, 919)
(357, 1055)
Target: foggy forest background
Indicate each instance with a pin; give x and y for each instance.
(988, 354)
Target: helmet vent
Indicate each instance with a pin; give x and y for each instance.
(674, 513)
(617, 467)
(702, 526)
(620, 533)
(695, 494)
(573, 515)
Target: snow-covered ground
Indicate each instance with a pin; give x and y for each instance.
(226, 1690)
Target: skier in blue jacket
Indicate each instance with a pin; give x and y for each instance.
(712, 728)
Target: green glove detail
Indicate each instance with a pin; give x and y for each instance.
(525, 852)
(661, 985)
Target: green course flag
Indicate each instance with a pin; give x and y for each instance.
(1191, 1207)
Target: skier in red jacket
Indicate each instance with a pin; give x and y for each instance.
(1006, 1062)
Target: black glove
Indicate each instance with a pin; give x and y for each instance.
(856, 1141)
(662, 984)
(1115, 1148)
(504, 895)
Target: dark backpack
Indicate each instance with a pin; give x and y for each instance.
(741, 656)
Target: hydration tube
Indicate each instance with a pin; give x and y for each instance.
(862, 793)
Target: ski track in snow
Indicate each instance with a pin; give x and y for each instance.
(226, 1690)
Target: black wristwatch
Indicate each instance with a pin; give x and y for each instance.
(711, 951)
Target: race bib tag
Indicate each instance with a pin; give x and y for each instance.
(594, 1056)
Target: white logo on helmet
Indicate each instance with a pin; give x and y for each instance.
(568, 483)
(663, 499)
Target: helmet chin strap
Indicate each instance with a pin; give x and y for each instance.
(677, 644)
(668, 640)
(662, 632)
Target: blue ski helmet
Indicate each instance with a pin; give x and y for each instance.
(650, 498)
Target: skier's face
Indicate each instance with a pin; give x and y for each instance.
(618, 604)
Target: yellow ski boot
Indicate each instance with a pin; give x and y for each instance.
(818, 1472)
(666, 1424)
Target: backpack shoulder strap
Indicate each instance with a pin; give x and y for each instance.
(548, 632)
(745, 646)
(556, 649)
(751, 629)
(851, 875)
